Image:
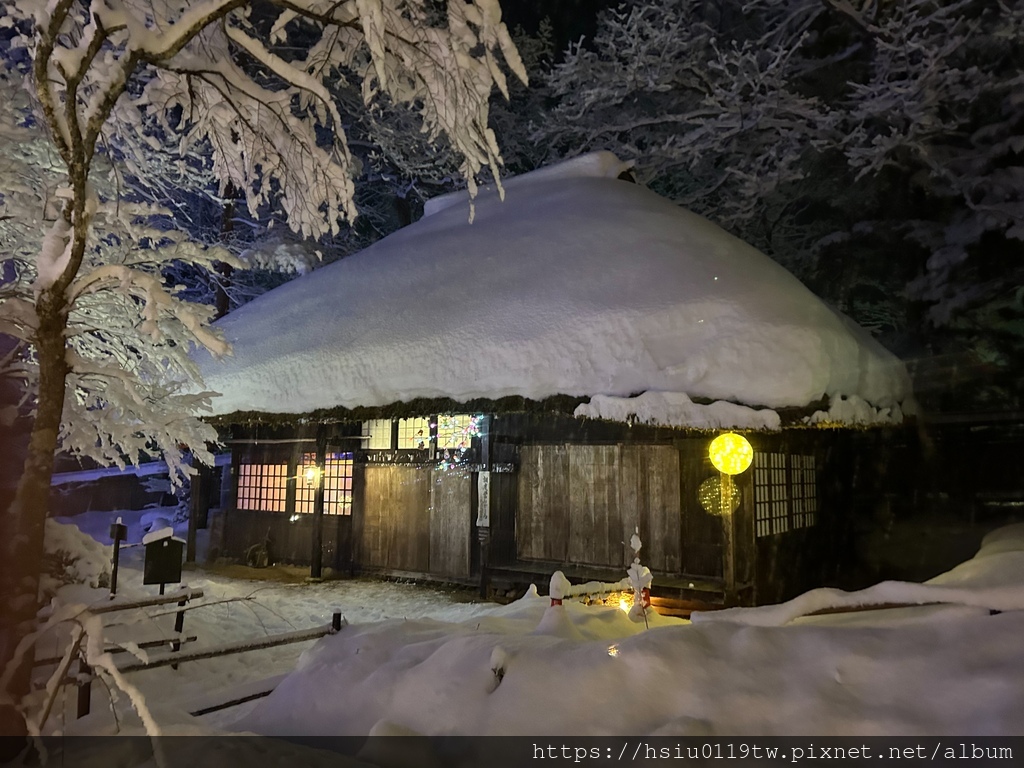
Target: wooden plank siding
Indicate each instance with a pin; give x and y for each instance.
(581, 504)
(542, 527)
(702, 532)
(450, 522)
(595, 527)
(394, 532)
(290, 540)
(650, 487)
(504, 503)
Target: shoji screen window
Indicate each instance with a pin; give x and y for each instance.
(337, 476)
(413, 433)
(262, 487)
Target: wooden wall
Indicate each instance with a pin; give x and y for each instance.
(451, 520)
(581, 504)
(504, 505)
(290, 540)
(542, 524)
(414, 519)
(650, 481)
(393, 528)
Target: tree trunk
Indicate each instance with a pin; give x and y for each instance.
(22, 552)
(227, 224)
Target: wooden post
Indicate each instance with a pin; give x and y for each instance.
(118, 532)
(317, 555)
(179, 626)
(728, 488)
(198, 503)
(483, 527)
(84, 690)
(484, 534)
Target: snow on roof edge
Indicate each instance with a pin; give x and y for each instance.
(671, 410)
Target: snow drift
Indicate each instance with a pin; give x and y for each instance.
(946, 666)
(578, 284)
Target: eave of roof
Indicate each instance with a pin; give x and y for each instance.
(565, 405)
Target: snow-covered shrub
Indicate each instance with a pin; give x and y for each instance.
(73, 557)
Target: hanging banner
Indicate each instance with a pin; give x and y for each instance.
(483, 499)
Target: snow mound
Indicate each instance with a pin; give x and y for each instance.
(531, 669)
(577, 284)
(74, 557)
(992, 580)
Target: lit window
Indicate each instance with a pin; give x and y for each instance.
(337, 484)
(413, 433)
(263, 487)
(379, 433)
(457, 431)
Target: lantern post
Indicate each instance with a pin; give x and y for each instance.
(731, 454)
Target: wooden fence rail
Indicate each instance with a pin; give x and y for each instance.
(271, 641)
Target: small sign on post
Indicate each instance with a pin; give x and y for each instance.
(483, 526)
(164, 553)
(483, 499)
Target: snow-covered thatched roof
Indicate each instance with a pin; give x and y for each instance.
(577, 284)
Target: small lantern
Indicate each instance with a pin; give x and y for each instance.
(730, 453)
(312, 475)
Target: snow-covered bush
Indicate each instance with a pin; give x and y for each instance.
(73, 557)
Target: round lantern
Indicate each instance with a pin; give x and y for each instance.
(731, 453)
(718, 498)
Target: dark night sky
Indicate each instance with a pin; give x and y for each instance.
(570, 19)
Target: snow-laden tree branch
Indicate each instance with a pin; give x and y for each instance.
(106, 337)
(875, 149)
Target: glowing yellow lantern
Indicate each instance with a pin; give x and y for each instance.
(312, 475)
(718, 498)
(731, 453)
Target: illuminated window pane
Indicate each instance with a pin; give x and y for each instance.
(338, 483)
(413, 433)
(262, 487)
(456, 431)
(379, 433)
(337, 480)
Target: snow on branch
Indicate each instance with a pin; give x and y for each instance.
(129, 93)
(784, 121)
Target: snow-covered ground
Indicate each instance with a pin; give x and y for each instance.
(414, 660)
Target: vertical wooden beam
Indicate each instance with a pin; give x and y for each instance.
(728, 539)
(483, 532)
(198, 504)
(317, 555)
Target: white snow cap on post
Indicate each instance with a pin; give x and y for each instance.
(160, 534)
(576, 284)
(559, 586)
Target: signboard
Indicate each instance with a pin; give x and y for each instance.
(396, 457)
(483, 499)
